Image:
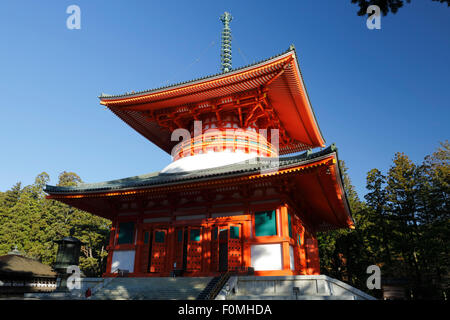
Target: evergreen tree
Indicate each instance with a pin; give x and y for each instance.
(401, 190)
(377, 202)
(12, 196)
(33, 223)
(403, 227)
(346, 254)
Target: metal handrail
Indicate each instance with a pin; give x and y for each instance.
(218, 286)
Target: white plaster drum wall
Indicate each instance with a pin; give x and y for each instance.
(206, 161)
(123, 260)
(266, 257)
(291, 257)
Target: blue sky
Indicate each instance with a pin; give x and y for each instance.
(374, 92)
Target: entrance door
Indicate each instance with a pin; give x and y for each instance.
(223, 249)
(234, 247)
(146, 247)
(215, 248)
(158, 255)
(194, 249)
(181, 248)
(226, 247)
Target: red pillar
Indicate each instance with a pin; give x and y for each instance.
(302, 251)
(110, 248)
(170, 244)
(312, 254)
(285, 236)
(138, 245)
(246, 250)
(206, 248)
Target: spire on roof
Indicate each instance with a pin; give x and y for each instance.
(225, 51)
(15, 251)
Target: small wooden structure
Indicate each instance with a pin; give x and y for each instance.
(20, 274)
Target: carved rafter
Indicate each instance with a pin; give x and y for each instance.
(251, 108)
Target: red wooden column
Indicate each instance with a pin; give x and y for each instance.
(209, 246)
(246, 250)
(170, 243)
(139, 243)
(285, 236)
(312, 254)
(206, 247)
(303, 264)
(110, 248)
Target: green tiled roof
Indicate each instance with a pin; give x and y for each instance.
(158, 178)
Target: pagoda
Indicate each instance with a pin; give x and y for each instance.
(244, 191)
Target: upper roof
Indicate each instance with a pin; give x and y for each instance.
(280, 76)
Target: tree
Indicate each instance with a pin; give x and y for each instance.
(68, 179)
(401, 189)
(346, 254)
(434, 218)
(377, 202)
(385, 5)
(92, 230)
(12, 196)
(32, 222)
(403, 226)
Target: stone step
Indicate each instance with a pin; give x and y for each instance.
(165, 288)
(297, 287)
(290, 297)
(144, 296)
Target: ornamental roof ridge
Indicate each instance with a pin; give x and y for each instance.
(137, 93)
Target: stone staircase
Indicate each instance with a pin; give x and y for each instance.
(204, 295)
(164, 288)
(314, 287)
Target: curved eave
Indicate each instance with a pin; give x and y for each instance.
(341, 190)
(312, 115)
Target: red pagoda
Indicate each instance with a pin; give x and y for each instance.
(244, 191)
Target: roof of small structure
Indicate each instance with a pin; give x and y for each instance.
(18, 265)
(279, 75)
(324, 191)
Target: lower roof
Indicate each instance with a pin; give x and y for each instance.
(324, 192)
(159, 179)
